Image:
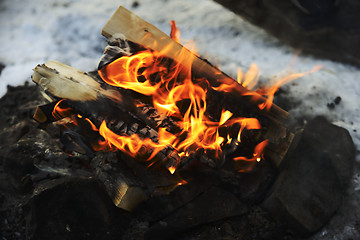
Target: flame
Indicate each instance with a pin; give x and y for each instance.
(61, 111)
(168, 84)
(175, 32)
(257, 156)
(93, 127)
(270, 91)
(251, 77)
(134, 145)
(250, 80)
(174, 91)
(172, 169)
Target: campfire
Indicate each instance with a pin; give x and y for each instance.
(161, 127)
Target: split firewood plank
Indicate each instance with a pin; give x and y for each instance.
(66, 82)
(141, 32)
(123, 187)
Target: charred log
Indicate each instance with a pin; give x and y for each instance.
(326, 29)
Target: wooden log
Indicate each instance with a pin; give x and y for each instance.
(54, 77)
(130, 183)
(123, 186)
(141, 32)
(126, 190)
(321, 28)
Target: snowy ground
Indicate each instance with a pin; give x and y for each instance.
(35, 31)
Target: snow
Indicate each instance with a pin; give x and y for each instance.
(35, 31)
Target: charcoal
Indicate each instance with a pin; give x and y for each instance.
(337, 100)
(21, 156)
(314, 178)
(37, 155)
(134, 127)
(119, 125)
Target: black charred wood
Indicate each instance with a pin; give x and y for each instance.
(44, 113)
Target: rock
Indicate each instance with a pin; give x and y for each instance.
(73, 208)
(215, 204)
(314, 177)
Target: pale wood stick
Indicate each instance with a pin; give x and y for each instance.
(63, 81)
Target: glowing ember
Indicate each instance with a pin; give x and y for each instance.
(172, 169)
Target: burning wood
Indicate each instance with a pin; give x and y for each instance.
(143, 33)
(160, 103)
(146, 35)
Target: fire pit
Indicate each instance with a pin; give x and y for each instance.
(176, 144)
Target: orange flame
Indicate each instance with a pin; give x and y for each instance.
(171, 84)
(175, 32)
(270, 91)
(174, 83)
(257, 156)
(134, 145)
(60, 111)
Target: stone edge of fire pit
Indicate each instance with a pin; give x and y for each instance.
(314, 178)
